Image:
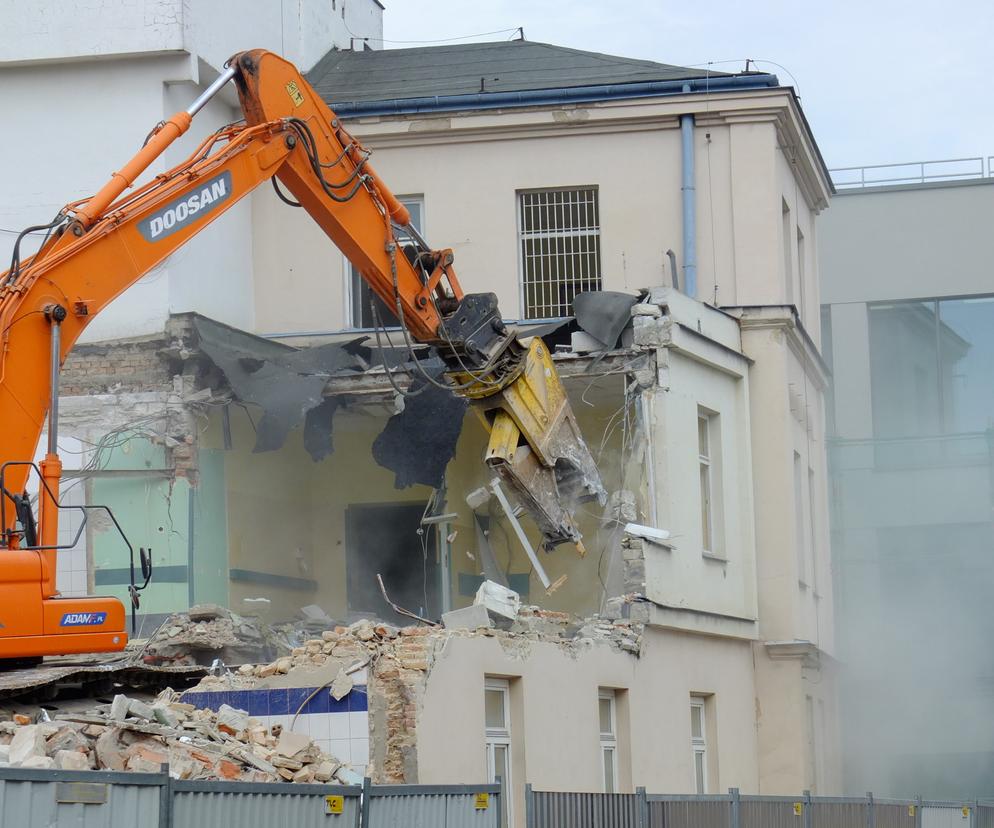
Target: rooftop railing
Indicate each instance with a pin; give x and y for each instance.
(913, 172)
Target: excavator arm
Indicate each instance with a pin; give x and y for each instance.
(98, 247)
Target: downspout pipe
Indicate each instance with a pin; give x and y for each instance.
(689, 198)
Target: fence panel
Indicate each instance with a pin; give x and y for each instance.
(770, 813)
(983, 816)
(553, 809)
(837, 814)
(433, 806)
(686, 814)
(43, 799)
(945, 816)
(893, 815)
(215, 804)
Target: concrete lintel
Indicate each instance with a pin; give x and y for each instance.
(806, 651)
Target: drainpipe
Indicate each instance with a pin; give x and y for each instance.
(689, 207)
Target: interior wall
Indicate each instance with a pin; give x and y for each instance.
(286, 514)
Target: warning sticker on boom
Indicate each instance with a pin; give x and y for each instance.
(295, 94)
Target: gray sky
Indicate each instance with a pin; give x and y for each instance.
(880, 82)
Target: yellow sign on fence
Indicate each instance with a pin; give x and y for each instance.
(482, 801)
(798, 808)
(334, 804)
(911, 810)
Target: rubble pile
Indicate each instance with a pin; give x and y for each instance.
(206, 633)
(149, 737)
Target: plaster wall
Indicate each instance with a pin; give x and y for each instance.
(469, 168)
(557, 712)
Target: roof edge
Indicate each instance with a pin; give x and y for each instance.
(552, 96)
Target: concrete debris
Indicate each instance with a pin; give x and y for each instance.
(341, 686)
(192, 743)
(472, 617)
(502, 604)
(207, 612)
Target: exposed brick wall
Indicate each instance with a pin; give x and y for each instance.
(396, 687)
(129, 365)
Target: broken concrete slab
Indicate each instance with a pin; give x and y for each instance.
(207, 612)
(27, 742)
(72, 760)
(139, 710)
(472, 617)
(231, 720)
(290, 743)
(341, 686)
(119, 708)
(39, 763)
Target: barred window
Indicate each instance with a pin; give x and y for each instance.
(559, 236)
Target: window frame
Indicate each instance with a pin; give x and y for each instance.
(609, 740)
(709, 467)
(352, 277)
(699, 744)
(595, 232)
(499, 737)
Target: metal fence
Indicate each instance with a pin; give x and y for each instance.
(103, 799)
(554, 809)
(913, 172)
(431, 806)
(640, 810)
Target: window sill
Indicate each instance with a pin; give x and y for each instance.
(711, 556)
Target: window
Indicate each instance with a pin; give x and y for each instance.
(559, 237)
(497, 707)
(800, 274)
(360, 292)
(788, 263)
(699, 743)
(708, 455)
(930, 367)
(800, 550)
(607, 710)
(812, 527)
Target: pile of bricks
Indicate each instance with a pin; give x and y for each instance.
(132, 735)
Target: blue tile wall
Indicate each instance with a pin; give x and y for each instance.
(281, 702)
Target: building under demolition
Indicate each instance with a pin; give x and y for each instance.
(272, 456)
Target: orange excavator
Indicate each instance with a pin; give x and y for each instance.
(97, 247)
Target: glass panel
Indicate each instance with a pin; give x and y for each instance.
(699, 771)
(502, 771)
(702, 436)
(696, 721)
(496, 719)
(966, 348)
(607, 725)
(904, 368)
(608, 770)
(362, 316)
(500, 763)
(706, 506)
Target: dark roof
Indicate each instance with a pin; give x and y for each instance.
(345, 76)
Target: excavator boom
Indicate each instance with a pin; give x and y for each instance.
(98, 247)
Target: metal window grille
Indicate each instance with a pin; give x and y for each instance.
(559, 236)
